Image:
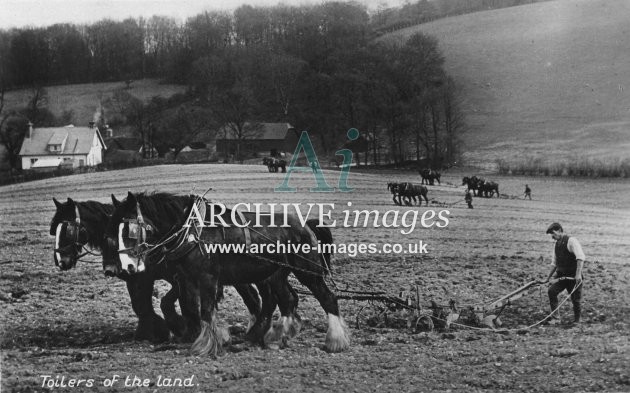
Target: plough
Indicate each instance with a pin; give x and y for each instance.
(409, 310)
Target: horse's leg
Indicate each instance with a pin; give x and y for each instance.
(289, 324)
(337, 337)
(150, 325)
(425, 198)
(252, 302)
(209, 341)
(175, 322)
(256, 333)
(189, 303)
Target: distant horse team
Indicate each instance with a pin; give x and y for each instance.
(407, 192)
(429, 176)
(480, 187)
(274, 164)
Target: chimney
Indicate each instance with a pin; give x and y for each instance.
(30, 130)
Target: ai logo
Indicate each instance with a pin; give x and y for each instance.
(322, 186)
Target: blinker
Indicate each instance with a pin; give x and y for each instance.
(134, 230)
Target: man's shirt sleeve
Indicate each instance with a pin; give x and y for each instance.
(574, 247)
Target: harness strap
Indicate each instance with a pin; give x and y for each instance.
(248, 237)
(201, 208)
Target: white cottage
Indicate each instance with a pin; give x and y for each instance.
(50, 148)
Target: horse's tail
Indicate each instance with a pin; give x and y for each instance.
(324, 236)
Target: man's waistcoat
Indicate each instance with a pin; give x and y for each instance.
(566, 262)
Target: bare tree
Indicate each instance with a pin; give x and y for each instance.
(454, 123)
(184, 125)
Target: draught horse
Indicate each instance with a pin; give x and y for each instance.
(79, 226)
(151, 229)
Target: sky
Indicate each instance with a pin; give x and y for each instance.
(19, 13)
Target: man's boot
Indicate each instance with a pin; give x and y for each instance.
(577, 311)
(554, 319)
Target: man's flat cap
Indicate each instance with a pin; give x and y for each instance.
(554, 227)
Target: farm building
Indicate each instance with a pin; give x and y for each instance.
(129, 144)
(262, 139)
(71, 147)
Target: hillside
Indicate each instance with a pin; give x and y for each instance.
(546, 80)
(83, 99)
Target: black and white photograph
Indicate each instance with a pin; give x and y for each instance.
(314, 195)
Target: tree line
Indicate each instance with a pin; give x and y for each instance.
(316, 67)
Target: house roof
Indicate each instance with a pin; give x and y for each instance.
(268, 131)
(78, 140)
(58, 137)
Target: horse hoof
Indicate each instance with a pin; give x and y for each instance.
(177, 326)
(161, 332)
(336, 347)
(337, 337)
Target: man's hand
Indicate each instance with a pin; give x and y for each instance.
(578, 279)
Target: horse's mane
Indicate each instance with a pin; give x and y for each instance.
(165, 209)
(95, 214)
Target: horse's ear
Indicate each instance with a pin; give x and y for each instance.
(131, 198)
(115, 201)
(70, 202)
(57, 203)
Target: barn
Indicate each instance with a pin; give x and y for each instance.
(50, 148)
(258, 139)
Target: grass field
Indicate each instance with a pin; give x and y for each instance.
(78, 324)
(83, 100)
(549, 80)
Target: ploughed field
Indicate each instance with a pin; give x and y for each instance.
(79, 324)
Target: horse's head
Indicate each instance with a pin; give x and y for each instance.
(142, 227)
(465, 181)
(70, 234)
(128, 236)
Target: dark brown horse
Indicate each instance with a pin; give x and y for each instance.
(472, 183)
(488, 188)
(78, 226)
(408, 192)
(150, 230)
(429, 176)
(273, 164)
